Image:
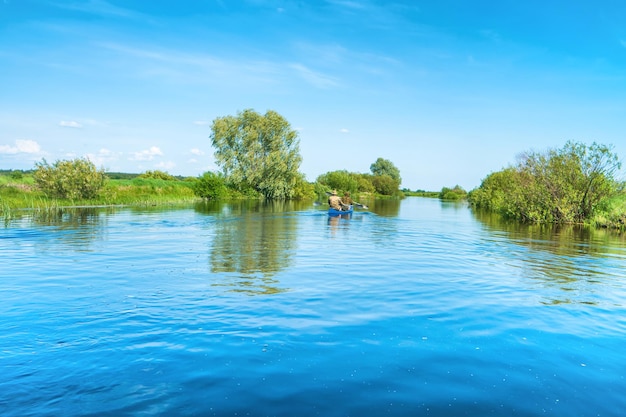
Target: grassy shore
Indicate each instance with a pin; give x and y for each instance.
(19, 193)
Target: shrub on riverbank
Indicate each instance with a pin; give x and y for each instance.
(76, 179)
(455, 193)
(567, 185)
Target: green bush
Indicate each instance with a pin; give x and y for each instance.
(17, 175)
(158, 175)
(340, 181)
(455, 193)
(71, 179)
(385, 185)
(303, 189)
(563, 185)
(210, 186)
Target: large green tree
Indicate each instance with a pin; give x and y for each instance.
(386, 176)
(384, 166)
(257, 151)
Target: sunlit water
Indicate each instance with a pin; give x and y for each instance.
(414, 308)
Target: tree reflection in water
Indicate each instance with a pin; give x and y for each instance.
(253, 240)
(569, 258)
(73, 228)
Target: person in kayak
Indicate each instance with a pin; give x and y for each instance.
(346, 200)
(334, 201)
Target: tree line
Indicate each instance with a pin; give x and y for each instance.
(258, 156)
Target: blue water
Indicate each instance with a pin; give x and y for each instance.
(413, 308)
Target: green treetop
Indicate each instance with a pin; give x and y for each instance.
(257, 151)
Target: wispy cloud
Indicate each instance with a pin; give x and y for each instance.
(199, 68)
(70, 123)
(197, 152)
(201, 122)
(313, 77)
(344, 130)
(146, 154)
(21, 146)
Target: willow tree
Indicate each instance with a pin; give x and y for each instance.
(257, 151)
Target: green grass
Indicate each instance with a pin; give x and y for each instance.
(17, 195)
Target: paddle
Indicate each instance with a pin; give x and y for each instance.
(354, 202)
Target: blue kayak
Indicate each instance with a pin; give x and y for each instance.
(333, 212)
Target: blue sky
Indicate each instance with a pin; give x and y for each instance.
(449, 91)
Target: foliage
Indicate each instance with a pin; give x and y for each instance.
(211, 186)
(560, 185)
(385, 180)
(365, 183)
(303, 190)
(340, 180)
(386, 177)
(455, 193)
(159, 175)
(121, 176)
(17, 175)
(611, 213)
(385, 184)
(386, 167)
(420, 193)
(71, 179)
(258, 152)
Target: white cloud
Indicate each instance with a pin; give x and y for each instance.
(146, 154)
(21, 146)
(344, 130)
(197, 151)
(72, 123)
(103, 157)
(166, 165)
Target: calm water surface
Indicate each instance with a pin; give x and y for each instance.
(414, 308)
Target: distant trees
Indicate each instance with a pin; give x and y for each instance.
(340, 180)
(72, 179)
(158, 175)
(455, 193)
(258, 152)
(386, 177)
(385, 167)
(559, 185)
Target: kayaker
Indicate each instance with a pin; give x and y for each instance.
(346, 200)
(334, 201)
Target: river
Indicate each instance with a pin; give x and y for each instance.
(412, 308)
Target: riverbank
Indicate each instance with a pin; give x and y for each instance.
(18, 194)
